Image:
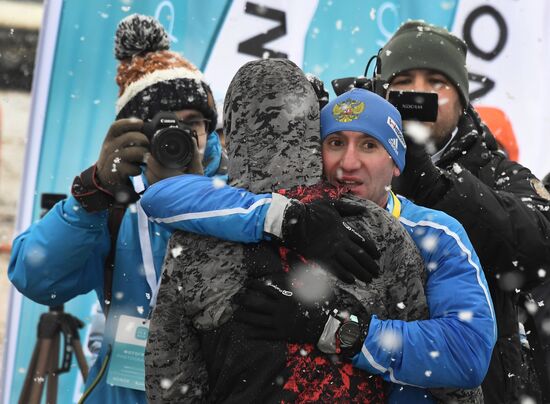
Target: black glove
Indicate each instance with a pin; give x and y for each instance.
(421, 180)
(272, 313)
(317, 231)
(122, 153)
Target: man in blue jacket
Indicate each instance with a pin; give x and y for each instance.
(363, 149)
(64, 254)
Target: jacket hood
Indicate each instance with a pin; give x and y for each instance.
(271, 122)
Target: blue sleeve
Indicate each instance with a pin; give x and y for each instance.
(60, 256)
(207, 206)
(453, 348)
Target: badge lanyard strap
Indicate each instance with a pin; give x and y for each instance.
(145, 244)
(394, 205)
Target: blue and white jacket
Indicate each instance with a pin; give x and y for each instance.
(63, 255)
(451, 349)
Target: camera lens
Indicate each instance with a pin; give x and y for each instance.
(173, 147)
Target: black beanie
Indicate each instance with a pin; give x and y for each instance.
(417, 45)
(151, 78)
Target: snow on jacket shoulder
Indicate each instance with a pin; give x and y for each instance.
(503, 206)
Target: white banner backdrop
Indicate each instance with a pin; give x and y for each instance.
(267, 28)
(509, 46)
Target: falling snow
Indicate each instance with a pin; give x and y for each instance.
(531, 307)
(527, 400)
(218, 182)
(429, 243)
(465, 316)
(166, 383)
(389, 340)
(176, 251)
(372, 14)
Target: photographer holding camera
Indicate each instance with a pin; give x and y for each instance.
(166, 117)
(501, 204)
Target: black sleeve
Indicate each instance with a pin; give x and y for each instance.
(507, 223)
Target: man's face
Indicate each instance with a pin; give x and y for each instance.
(450, 108)
(195, 119)
(359, 163)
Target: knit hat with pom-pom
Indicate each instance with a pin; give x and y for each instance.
(152, 78)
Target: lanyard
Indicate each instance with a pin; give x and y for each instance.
(145, 244)
(394, 205)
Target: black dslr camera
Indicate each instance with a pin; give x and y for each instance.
(171, 141)
(412, 105)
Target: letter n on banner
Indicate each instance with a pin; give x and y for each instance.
(258, 29)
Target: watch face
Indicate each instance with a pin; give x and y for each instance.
(348, 334)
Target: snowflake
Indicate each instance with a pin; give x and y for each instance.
(465, 316)
(166, 383)
(218, 182)
(176, 251)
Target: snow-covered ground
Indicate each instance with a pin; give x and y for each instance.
(14, 118)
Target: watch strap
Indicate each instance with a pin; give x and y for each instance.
(327, 342)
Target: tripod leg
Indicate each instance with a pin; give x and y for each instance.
(27, 385)
(39, 377)
(51, 392)
(80, 358)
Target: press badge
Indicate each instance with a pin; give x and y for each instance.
(127, 367)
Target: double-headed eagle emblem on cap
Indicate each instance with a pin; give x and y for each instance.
(348, 110)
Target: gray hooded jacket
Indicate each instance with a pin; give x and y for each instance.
(271, 121)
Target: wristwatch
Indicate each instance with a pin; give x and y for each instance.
(349, 337)
(342, 335)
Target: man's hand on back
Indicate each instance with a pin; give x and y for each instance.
(318, 232)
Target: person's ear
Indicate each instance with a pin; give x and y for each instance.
(396, 171)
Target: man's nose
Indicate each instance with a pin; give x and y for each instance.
(350, 160)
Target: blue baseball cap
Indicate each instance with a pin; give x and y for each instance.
(363, 111)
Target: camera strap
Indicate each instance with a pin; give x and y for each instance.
(116, 213)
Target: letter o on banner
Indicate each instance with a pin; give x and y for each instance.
(502, 28)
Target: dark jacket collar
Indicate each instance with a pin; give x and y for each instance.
(472, 146)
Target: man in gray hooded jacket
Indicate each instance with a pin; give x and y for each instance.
(196, 351)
